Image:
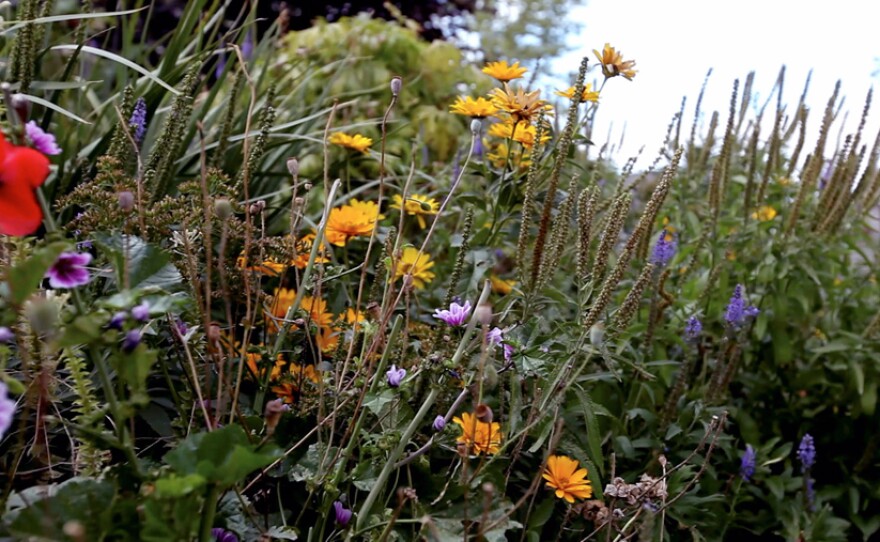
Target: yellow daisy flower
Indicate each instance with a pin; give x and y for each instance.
(500, 285)
(498, 156)
(411, 263)
(765, 213)
(522, 133)
(563, 475)
(304, 250)
(479, 437)
(588, 95)
(357, 219)
(519, 104)
(253, 361)
(613, 63)
(478, 109)
(417, 206)
(316, 308)
(355, 142)
(503, 71)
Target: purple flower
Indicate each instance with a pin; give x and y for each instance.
(69, 270)
(131, 341)
(138, 120)
(395, 376)
(117, 320)
(343, 514)
(43, 141)
(664, 250)
(508, 351)
(6, 335)
(737, 311)
(141, 312)
(7, 410)
(693, 329)
(806, 452)
(495, 336)
(747, 464)
(182, 328)
(439, 423)
(456, 315)
(222, 535)
(247, 46)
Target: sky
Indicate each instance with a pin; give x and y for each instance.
(675, 42)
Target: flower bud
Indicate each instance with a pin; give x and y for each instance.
(213, 333)
(307, 187)
(476, 124)
(258, 207)
(22, 106)
(293, 166)
(439, 423)
(274, 410)
(483, 313)
(597, 334)
(484, 413)
(125, 200)
(131, 341)
(42, 314)
(223, 208)
(396, 84)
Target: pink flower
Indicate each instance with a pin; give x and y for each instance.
(456, 315)
(69, 270)
(7, 410)
(43, 141)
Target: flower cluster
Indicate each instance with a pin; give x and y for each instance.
(664, 250)
(747, 463)
(738, 313)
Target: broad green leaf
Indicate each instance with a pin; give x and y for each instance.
(121, 60)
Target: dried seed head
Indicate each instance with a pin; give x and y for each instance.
(126, 200)
(223, 209)
(484, 413)
(213, 333)
(258, 207)
(483, 313)
(293, 166)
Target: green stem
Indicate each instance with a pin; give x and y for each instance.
(210, 510)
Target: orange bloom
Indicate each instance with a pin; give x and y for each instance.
(480, 437)
(357, 219)
(613, 63)
(316, 308)
(518, 103)
(563, 475)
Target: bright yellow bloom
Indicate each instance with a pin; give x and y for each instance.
(588, 95)
(563, 475)
(355, 142)
(411, 263)
(417, 205)
(304, 249)
(478, 109)
(253, 360)
(518, 103)
(504, 72)
(522, 133)
(269, 267)
(358, 218)
(352, 317)
(479, 437)
(499, 153)
(765, 213)
(315, 307)
(613, 63)
(501, 286)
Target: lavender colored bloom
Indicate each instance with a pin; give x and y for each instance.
(456, 315)
(693, 329)
(141, 312)
(182, 328)
(508, 351)
(7, 410)
(495, 336)
(69, 270)
(222, 535)
(664, 250)
(478, 148)
(439, 423)
(806, 452)
(6, 335)
(247, 46)
(117, 320)
(138, 120)
(747, 464)
(343, 514)
(43, 141)
(131, 341)
(395, 376)
(737, 311)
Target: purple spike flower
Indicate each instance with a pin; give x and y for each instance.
(806, 452)
(138, 120)
(117, 320)
(141, 312)
(131, 341)
(439, 423)
(737, 311)
(43, 141)
(693, 329)
(664, 250)
(69, 270)
(222, 535)
(343, 514)
(747, 464)
(395, 376)
(7, 410)
(456, 315)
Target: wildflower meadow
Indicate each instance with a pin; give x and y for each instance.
(345, 283)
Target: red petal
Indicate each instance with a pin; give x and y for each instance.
(20, 213)
(23, 165)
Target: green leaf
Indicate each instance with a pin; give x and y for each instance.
(147, 265)
(173, 486)
(541, 514)
(25, 277)
(594, 438)
(86, 501)
(46, 103)
(83, 330)
(121, 60)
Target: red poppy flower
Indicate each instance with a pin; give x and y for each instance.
(22, 170)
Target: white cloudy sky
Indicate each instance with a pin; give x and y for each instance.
(675, 42)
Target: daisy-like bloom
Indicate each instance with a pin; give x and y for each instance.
(355, 142)
(479, 108)
(417, 205)
(286, 391)
(456, 315)
(519, 104)
(613, 63)
(479, 437)
(253, 361)
(563, 475)
(418, 266)
(304, 250)
(22, 170)
(521, 133)
(69, 270)
(588, 95)
(7, 410)
(356, 219)
(499, 155)
(503, 71)
(43, 141)
(765, 213)
(501, 286)
(315, 307)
